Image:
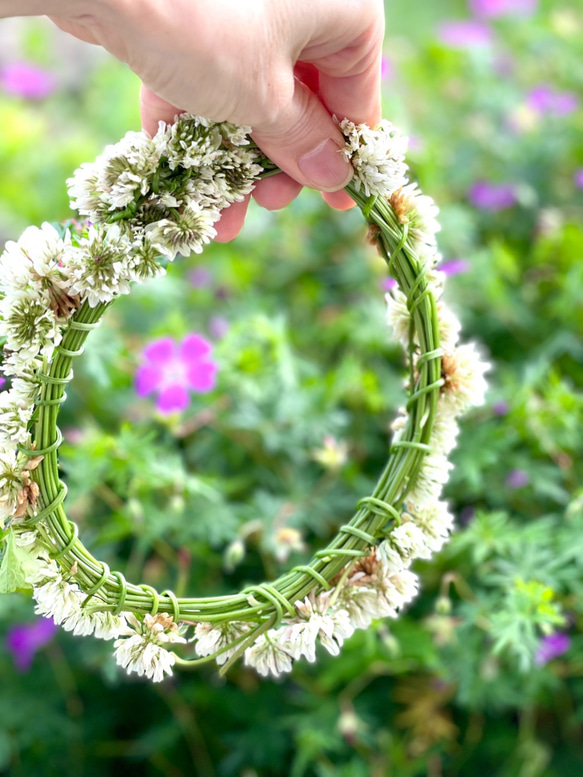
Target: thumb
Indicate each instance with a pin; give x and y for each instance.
(305, 143)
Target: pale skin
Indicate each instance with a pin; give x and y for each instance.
(285, 67)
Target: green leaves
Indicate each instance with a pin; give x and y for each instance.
(15, 566)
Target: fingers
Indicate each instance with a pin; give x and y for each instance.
(154, 109)
(339, 200)
(276, 192)
(305, 143)
(231, 221)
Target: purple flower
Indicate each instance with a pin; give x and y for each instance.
(494, 8)
(578, 178)
(25, 80)
(387, 70)
(24, 639)
(501, 408)
(490, 196)
(2, 382)
(200, 277)
(517, 478)
(465, 34)
(545, 100)
(454, 266)
(551, 646)
(218, 327)
(388, 283)
(173, 370)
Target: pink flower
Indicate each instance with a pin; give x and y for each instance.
(490, 196)
(387, 70)
(173, 370)
(465, 34)
(25, 80)
(545, 99)
(454, 266)
(517, 478)
(495, 8)
(24, 639)
(578, 178)
(551, 646)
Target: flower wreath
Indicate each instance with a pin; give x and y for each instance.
(147, 200)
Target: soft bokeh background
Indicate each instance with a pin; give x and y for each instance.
(254, 474)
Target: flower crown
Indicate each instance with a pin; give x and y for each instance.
(146, 201)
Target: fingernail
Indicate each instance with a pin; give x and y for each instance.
(325, 167)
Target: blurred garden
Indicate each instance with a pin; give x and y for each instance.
(237, 482)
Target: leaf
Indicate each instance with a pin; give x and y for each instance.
(16, 565)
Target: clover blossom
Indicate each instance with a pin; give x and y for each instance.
(141, 645)
(173, 370)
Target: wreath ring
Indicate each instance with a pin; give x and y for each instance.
(148, 198)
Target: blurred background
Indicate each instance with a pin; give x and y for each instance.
(484, 674)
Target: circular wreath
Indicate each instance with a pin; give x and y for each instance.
(147, 200)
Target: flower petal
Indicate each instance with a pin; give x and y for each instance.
(193, 348)
(160, 351)
(148, 379)
(201, 377)
(173, 399)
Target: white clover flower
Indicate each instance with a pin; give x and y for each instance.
(235, 175)
(26, 388)
(419, 212)
(191, 141)
(107, 626)
(444, 433)
(409, 541)
(212, 637)
(187, 232)
(143, 261)
(15, 415)
(331, 624)
(465, 385)
(430, 479)
(268, 655)
(36, 261)
(100, 269)
(18, 493)
(84, 192)
(30, 326)
(436, 523)
(126, 169)
(391, 558)
(57, 598)
(364, 604)
(398, 316)
(449, 327)
(400, 588)
(377, 155)
(140, 648)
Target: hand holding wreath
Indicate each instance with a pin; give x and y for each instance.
(149, 199)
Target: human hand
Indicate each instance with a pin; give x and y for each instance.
(282, 66)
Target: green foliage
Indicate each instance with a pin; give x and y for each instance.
(259, 473)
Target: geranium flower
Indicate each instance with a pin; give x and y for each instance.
(173, 370)
(551, 646)
(489, 196)
(466, 34)
(24, 639)
(545, 100)
(28, 81)
(495, 8)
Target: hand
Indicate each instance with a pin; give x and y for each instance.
(282, 66)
